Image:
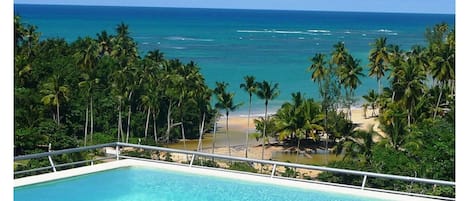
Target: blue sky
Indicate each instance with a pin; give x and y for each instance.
(412, 6)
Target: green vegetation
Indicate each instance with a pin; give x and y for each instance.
(242, 166)
(416, 113)
(98, 90)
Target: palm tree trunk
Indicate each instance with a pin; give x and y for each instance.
(91, 117)
(58, 112)
(154, 129)
(148, 120)
(247, 131)
(408, 117)
(168, 121)
(86, 125)
(438, 103)
(297, 149)
(201, 132)
(214, 136)
(119, 122)
(227, 136)
(128, 117)
(183, 134)
(263, 132)
(128, 123)
(379, 87)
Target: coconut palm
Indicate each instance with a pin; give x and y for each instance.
(318, 68)
(104, 43)
(124, 47)
(411, 81)
(379, 59)
(87, 59)
(250, 87)
(443, 66)
(267, 92)
(118, 92)
(359, 144)
(225, 100)
(349, 74)
(54, 91)
(392, 122)
(340, 54)
(372, 99)
(172, 82)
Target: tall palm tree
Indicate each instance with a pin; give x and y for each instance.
(340, 54)
(118, 91)
(379, 59)
(124, 47)
(267, 92)
(349, 74)
(226, 102)
(87, 59)
(54, 91)
(412, 83)
(202, 98)
(250, 87)
(443, 66)
(318, 68)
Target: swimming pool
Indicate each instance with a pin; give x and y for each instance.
(149, 183)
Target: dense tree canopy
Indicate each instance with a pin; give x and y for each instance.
(101, 87)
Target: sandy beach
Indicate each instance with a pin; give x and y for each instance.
(239, 125)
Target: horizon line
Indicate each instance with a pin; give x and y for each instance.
(260, 9)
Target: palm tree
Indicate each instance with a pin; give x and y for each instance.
(299, 118)
(318, 68)
(372, 99)
(87, 59)
(54, 91)
(104, 43)
(267, 92)
(124, 47)
(250, 87)
(392, 122)
(118, 91)
(359, 144)
(226, 102)
(443, 66)
(413, 85)
(202, 98)
(379, 59)
(172, 82)
(340, 54)
(349, 74)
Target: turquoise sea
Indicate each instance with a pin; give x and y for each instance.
(228, 44)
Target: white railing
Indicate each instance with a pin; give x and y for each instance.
(194, 154)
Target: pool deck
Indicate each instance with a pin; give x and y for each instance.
(211, 172)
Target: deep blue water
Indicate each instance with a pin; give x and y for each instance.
(228, 44)
(142, 184)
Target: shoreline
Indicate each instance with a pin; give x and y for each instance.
(239, 122)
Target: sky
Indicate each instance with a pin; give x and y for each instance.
(401, 6)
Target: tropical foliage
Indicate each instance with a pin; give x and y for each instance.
(416, 114)
(95, 90)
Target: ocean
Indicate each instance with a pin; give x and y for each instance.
(227, 44)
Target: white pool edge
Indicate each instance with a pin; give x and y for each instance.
(211, 172)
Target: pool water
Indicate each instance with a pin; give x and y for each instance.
(147, 184)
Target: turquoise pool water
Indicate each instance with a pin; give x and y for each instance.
(145, 184)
